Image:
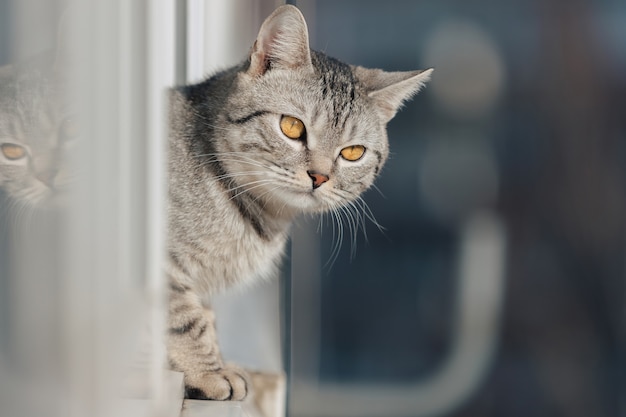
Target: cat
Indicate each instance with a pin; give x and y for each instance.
(37, 131)
(288, 131)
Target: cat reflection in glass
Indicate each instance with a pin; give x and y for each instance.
(36, 130)
(288, 131)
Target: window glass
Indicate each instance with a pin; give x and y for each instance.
(522, 121)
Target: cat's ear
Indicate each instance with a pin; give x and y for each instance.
(283, 42)
(390, 90)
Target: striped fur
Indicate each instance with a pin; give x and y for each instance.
(237, 183)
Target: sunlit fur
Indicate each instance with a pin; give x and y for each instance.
(237, 181)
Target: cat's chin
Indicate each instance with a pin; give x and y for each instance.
(296, 202)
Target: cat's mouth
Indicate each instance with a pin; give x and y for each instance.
(299, 195)
(310, 199)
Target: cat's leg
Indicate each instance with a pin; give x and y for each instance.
(193, 349)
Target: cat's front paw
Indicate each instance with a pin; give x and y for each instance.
(228, 383)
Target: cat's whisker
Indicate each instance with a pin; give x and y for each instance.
(239, 174)
(270, 192)
(365, 209)
(355, 217)
(320, 223)
(247, 188)
(347, 210)
(241, 189)
(337, 236)
(369, 214)
(340, 228)
(212, 126)
(375, 187)
(242, 155)
(220, 156)
(253, 163)
(329, 261)
(271, 196)
(346, 224)
(205, 121)
(22, 211)
(353, 226)
(360, 218)
(248, 161)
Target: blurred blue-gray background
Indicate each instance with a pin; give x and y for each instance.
(525, 118)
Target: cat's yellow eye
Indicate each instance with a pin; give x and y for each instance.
(353, 153)
(292, 128)
(12, 151)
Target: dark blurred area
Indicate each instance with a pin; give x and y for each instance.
(525, 118)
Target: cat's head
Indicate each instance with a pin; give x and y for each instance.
(35, 134)
(307, 132)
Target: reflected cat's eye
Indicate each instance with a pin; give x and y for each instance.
(12, 151)
(353, 153)
(292, 128)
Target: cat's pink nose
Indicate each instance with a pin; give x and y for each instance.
(318, 179)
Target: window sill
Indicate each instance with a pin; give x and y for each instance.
(200, 408)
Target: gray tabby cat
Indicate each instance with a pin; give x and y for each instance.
(36, 129)
(288, 131)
